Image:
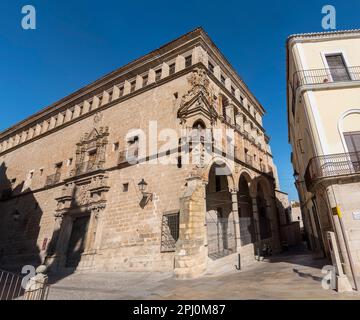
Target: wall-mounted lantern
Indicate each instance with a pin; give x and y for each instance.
(143, 189)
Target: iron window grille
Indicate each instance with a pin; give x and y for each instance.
(169, 231)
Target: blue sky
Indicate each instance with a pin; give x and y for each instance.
(76, 42)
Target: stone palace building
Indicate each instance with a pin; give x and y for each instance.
(163, 164)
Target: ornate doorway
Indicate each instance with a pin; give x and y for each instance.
(77, 241)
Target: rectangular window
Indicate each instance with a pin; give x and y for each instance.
(211, 67)
(125, 187)
(172, 69)
(158, 74)
(121, 93)
(58, 167)
(338, 69)
(132, 86)
(169, 231)
(232, 90)
(145, 80)
(222, 79)
(352, 140)
(188, 61)
(116, 146)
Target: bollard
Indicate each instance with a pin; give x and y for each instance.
(37, 285)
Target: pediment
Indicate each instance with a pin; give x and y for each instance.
(93, 135)
(198, 105)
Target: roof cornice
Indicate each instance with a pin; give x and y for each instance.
(322, 36)
(196, 36)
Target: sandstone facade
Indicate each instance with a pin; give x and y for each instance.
(70, 174)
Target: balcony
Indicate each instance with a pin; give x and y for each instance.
(52, 179)
(330, 167)
(323, 76)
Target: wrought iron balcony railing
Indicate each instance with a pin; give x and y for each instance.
(52, 179)
(331, 166)
(320, 76)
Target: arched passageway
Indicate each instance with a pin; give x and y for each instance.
(246, 217)
(219, 216)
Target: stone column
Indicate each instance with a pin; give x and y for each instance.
(60, 239)
(271, 216)
(93, 238)
(179, 63)
(92, 241)
(191, 248)
(235, 210)
(256, 225)
(51, 257)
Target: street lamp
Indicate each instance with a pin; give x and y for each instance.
(143, 187)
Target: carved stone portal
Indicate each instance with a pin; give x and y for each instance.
(200, 99)
(83, 199)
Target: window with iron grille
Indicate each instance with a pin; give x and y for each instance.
(169, 231)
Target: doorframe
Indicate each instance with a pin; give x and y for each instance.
(73, 217)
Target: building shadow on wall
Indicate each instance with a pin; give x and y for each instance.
(20, 216)
(294, 247)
